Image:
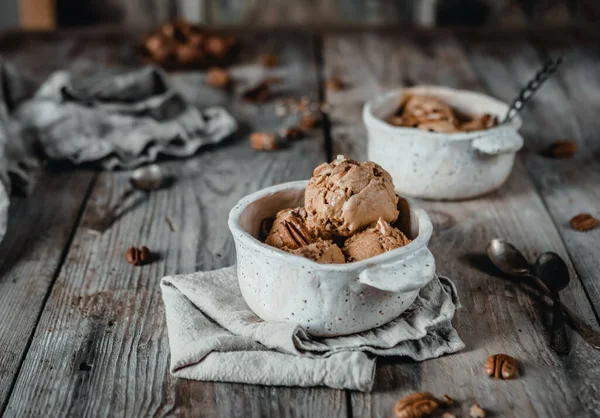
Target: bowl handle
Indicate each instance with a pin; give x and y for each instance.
(420, 269)
(502, 143)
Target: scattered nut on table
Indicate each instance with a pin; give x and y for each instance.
(291, 133)
(263, 141)
(138, 256)
(268, 60)
(335, 83)
(563, 149)
(218, 77)
(583, 222)
(501, 366)
(447, 400)
(308, 122)
(417, 405)
(260, 92)
(477, 411)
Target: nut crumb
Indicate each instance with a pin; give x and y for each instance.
(447, 400)
(477, 411)
(171, 224)
(563, 149)
(335, 83)
(218, 77)
(583, 222)
(448, 415)
(263, 141)
(307, 122)
(261, 92)
(269, 60)
(291, 133)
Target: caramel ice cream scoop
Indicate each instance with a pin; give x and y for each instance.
(344, 196)
(373, 241)
(321, 251)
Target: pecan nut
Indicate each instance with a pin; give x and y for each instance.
(294, 234)
(417, 405)
(217, 77)
(291, 133)
(261, 92)
(138, 256)
(563, 149)
(477, 411)
(583, 222)
(263, 141)
(308, 122)
(269, 60)
(335, 83)
(501, 366)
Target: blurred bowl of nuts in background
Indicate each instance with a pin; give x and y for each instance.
(179, 45)
(441, 143)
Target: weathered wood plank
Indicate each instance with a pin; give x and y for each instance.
(101, 345)
(565, 109)
(39, 228)
(41, 225)
(497, 315)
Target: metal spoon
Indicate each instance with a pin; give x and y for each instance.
(143, 179)
(511, 262)
(149, 177)
(553, 271)
(550, 66)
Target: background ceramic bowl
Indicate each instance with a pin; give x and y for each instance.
(327, 299)
(442, 166)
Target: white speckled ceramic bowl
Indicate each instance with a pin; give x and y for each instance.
(327, 299)
(441, 166)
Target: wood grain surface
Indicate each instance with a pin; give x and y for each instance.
(509, 317)
(101, 343)
(566, 108)
(31, 256)
(83, 332)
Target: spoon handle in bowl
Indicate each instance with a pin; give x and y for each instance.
(536, 82)
(559, 341)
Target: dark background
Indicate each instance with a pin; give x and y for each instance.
(306, 13)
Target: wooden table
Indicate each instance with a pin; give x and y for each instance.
(83, 332)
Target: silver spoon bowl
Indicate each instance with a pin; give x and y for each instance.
(147, 178)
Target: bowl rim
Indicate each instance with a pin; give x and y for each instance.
(421, 241)
(371, 120)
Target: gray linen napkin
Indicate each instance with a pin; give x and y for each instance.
(214, 336)
(110, 120)
(119, 121)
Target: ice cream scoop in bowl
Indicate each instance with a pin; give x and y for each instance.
(327, 299)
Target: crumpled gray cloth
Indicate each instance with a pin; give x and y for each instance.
(203, 309)
(110, 120)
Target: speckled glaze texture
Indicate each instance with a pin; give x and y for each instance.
(326, 299)
(441, 166)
